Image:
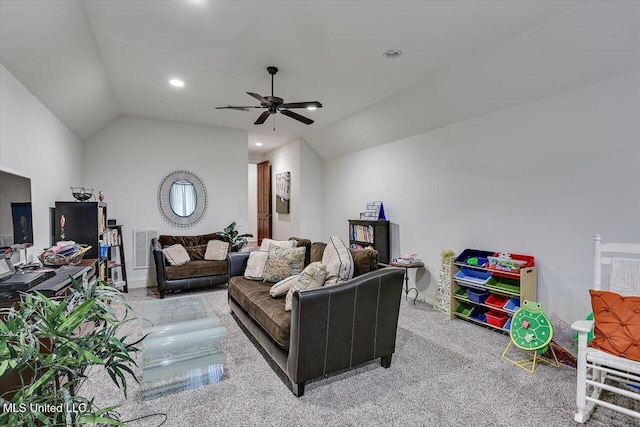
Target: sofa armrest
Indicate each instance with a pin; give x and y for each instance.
(158, 259)
(337, 327)
(237, 263)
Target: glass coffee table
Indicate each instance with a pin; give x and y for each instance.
(185, 345)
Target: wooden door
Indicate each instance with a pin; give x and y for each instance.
(264, 201)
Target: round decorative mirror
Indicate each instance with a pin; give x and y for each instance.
(182, 199)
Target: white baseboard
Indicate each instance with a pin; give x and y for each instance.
(139, 283)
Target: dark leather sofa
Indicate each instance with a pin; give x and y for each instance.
(197, 273)
(329, 329)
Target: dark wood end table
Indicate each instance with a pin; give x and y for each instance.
(406, 277)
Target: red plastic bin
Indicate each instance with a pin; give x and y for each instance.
(495, 300)
(496, 318)
(530, 262)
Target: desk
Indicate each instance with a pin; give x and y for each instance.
(406, 277)
(57, 285)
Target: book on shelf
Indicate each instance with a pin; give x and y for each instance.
(362, 233)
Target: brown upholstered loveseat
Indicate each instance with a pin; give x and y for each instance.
(329, 328)
(197, 273)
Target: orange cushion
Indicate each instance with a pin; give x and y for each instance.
(617, 324)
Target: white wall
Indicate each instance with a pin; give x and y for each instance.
(286, 159)
(35, 144)
(252, 200)
(128, 158)
(305, 207)
(311, 194)
(540, 178)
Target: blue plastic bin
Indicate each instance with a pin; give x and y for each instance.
(512, 305)
(472, 253)
(478, 313)
(470, 275)
(507, 325)
(476, 295)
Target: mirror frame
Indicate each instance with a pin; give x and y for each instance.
(164, 202)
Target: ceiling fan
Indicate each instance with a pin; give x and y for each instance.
(274, 104)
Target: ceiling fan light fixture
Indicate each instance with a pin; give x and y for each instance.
(392, 54)
(273, 105)
(176, 83)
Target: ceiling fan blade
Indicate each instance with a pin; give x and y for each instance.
(302, 104)
(260, 98)
(297, 116)
(263, 117)
(240, 108)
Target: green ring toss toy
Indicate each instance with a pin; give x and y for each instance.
(531, 330)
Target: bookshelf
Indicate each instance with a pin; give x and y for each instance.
(82, 222)
(374, 234)
(116, 269)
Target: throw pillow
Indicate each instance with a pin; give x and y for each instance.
(283, 286)
(195, 252)
(255, 265)
(176, 255)
(338, 261)
(364, 260)
(216, 250)
(264, 246)
(317, 250)
(283, 262)
(616, 324)
(311, 277)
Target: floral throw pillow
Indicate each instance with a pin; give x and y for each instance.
(283, 262)
(311, 277)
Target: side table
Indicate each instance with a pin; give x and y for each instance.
(406, 277)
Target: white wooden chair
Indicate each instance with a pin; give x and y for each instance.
(598, 370)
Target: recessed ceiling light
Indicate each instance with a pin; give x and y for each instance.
(312, 107)
(258, 144)
(176, 82)
(393, 53)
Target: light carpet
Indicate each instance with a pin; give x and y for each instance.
(443, 373)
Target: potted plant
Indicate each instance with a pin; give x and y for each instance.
(236, 241)
(47, 347)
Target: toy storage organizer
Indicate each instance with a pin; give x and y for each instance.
(488, 289)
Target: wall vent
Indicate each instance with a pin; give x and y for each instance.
(6, 241)
(142, 248)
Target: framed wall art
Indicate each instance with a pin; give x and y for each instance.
(283, 192)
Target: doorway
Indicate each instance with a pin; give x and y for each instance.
(264, 200)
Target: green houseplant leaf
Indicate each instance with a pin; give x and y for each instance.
(46, 353)
(236, 241)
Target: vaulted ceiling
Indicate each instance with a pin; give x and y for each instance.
(90, 61)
